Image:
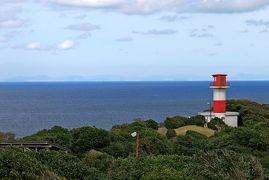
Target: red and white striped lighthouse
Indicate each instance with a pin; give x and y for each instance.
(219, 87)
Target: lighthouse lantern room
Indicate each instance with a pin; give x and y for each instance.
(219, 86)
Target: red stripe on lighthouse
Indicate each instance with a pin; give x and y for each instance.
(219, 106)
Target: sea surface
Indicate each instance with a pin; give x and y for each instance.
(26, 108)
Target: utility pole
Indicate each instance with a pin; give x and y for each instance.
(135, 134)
(210, 110)
(137, 146)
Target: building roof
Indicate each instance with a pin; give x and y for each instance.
(207, 113)
(214, 75)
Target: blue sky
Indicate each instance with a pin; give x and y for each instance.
(89, 40)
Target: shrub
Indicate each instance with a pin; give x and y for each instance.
(87, 138)
(152, 124)
(155, 145)
(56, 134)
(119, 149)
(67, 165)
(196, 120)
(15, 164)
(216, 124)
(174, 122)
(223, 164)
(151, 167)
(98, 160)
(171, 133)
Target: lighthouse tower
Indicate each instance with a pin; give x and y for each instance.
(219, 86)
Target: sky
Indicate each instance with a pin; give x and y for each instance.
(133, 40)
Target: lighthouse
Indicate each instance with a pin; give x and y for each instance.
(219, 86)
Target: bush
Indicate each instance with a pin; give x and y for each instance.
(174, 122)
(15, 164)
(151, 167)
(98, 160)
(87, 138)
(7, 136)
(191, 143)
(216, 124)
(152, 124)
(196, 120)
(119, 149)
(154, 145)
(223, 164)
(171, 133)
(56, 134)
(67, 165)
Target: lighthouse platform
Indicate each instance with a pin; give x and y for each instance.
(230, 119)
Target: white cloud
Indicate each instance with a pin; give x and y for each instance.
(66, 44)
(83, 27)
(11, 23)
(124, 39)
(152, 6)
(34, 46)
(157, 32)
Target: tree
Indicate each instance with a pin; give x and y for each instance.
(98, 160)
(216, 124)
(87, 138)
(119, 149)
(151, 167)
(191, 143)
(174, 122)
(155, 145)
(152, 124)
(56, 134)
(67, 165)
(171, 133)
(195, 120)
(16, 164)
(7, 136)
(223, 164)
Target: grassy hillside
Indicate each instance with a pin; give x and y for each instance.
(202, 130)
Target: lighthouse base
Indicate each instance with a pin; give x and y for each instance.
(229, 118)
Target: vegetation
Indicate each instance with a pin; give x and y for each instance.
(186, 150)
(202, 130)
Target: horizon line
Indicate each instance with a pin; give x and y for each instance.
(74, 81)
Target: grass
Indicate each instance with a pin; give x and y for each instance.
(202, 130)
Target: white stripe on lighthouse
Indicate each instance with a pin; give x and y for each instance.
(219, 94)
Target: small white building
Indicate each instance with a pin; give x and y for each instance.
(219, 87)
(230, 119)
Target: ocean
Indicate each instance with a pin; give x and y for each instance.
(26, 108)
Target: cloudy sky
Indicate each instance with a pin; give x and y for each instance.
(55, 40)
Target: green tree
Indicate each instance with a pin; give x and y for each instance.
(67, 165)
(174, 122)
(152, 124)
(216, 124)
(7, 136)
(87, 138)
(15, 164)
(223, 164)
(195, 120)
(56, 134)
(171, 133)
(151, 167)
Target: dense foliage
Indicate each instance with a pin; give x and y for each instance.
(232, 153)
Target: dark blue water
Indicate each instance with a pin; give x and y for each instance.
(28, 107)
